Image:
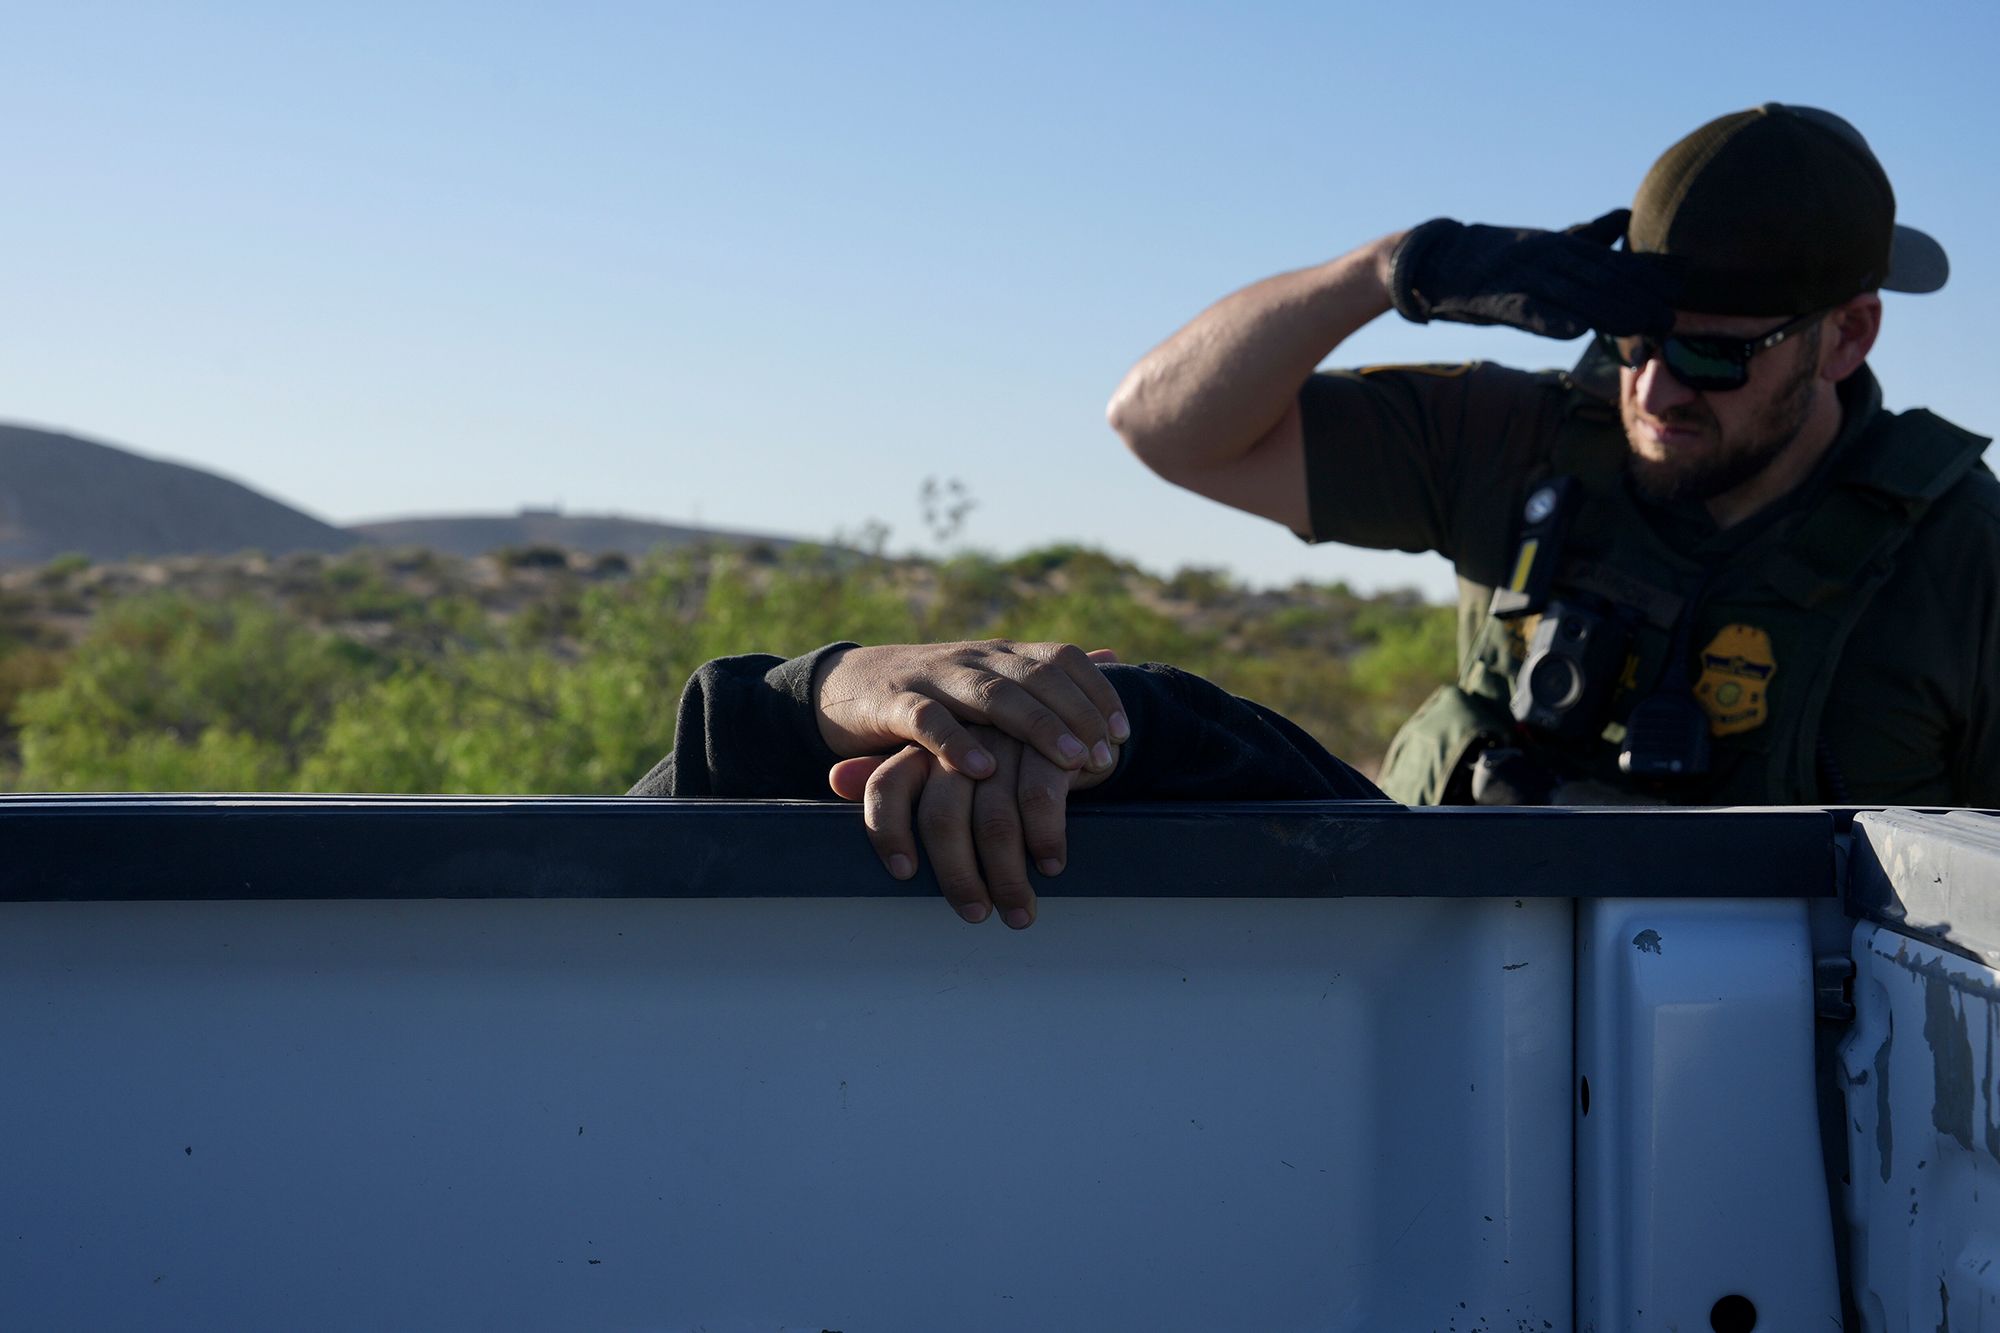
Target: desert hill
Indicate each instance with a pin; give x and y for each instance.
(61, 494)
(478, 534)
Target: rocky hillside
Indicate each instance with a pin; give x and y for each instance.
(60, 495)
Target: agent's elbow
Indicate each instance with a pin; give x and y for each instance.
(1140, 429)
(1122, 414)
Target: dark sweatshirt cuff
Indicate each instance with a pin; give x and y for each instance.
(794, 680)
(746, 729)
(762, 737)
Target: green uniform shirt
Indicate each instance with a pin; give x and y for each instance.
(1437, 458)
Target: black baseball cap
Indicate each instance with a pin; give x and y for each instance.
(1779, 210)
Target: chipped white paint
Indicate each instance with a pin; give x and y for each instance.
(1923, 1098)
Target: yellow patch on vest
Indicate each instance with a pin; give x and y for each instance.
(1736, 669)
(1524, 565)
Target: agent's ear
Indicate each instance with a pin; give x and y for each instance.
(1851, 330)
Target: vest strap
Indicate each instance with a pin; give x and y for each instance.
(1866, 515)
(1929, 456)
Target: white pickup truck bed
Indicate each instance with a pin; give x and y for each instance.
(286, 1063)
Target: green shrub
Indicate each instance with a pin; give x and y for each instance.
(64, 566)
(532, 557)
(389, 671)
(139, 698)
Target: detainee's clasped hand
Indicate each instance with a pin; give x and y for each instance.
(981, 836)
(1050, 696)
(971, 749)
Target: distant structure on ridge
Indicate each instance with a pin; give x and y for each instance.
(477, 534)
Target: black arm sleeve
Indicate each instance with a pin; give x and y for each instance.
(746, 730)
(1194, 741)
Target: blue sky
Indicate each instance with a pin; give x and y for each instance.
(773, 265)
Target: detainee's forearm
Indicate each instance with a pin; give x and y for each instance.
(1208, 395)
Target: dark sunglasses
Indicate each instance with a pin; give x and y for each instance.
(1703, 361)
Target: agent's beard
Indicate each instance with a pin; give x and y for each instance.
(1737, 458)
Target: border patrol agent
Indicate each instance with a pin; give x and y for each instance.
(1707, 566)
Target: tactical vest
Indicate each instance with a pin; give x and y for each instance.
(1767, 630)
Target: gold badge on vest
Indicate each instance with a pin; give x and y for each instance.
(1736, 669)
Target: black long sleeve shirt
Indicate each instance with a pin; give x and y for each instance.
(747, 730)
